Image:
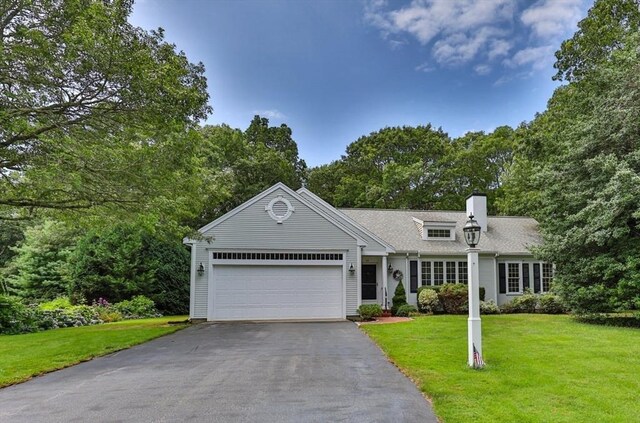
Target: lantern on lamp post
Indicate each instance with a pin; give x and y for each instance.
(474, 336)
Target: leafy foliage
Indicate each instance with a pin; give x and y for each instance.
(428, 301)
(415, 167)
(454, 298)
(399, 298)
(405, 310)
(241, 164)
(127, 261)
(138, 307)
(489, 307)
(370, 311)
(578, 165)
(41, 261)
(97, 112)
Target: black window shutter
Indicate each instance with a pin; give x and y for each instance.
(413, 276)
(536, 277)
(525, 275)
(502, 275)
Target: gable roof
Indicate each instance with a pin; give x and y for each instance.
(343, 227)
(336, 213)
(505, 235)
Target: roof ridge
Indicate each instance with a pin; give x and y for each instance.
(430, 211)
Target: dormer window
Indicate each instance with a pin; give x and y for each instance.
(438, 233)
(436, 230)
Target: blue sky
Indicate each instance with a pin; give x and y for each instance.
(336, 70)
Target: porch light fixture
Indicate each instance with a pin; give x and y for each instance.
(351, 268)
(390, 268)
(472, 232)
(200, 269)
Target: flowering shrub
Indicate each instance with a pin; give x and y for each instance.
(73, 316)
(428, 301)
(489, 307)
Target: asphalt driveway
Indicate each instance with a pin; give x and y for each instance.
(232, 372)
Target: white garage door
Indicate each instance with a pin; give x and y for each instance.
(277, 292)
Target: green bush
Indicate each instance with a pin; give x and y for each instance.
(611, 319)
(399, 298)
(525, 303)
(16, 317)
(56, 304)
(81, 315)
(428, 301)
(126, 261)
(138, 307)
(454, 298)
(108, 315)
(369, 311)
(550, 304)
(489, 307)
(404, 310)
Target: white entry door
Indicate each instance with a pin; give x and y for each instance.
(256, 292)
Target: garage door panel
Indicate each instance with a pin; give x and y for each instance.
(277, 292)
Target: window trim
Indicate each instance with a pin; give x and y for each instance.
(428, 279)
(520, 290)
(542, 277)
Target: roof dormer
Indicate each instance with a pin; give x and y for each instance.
(436, 230)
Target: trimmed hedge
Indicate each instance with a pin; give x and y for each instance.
(399, 298)
(428, 301)
(610, 319)
(369, 311)
(405, 310)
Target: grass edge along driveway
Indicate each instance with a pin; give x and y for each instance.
(540, 368)
(25, 356)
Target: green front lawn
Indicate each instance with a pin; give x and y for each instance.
(540, 368)
(24, 356)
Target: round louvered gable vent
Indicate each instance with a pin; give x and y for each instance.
(279, 209)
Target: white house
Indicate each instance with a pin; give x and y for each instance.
(288, 254)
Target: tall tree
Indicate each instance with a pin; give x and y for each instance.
(581, 162)
(240, 164)
(415, 167)
(93, 111)
(41, 262)
(604, 30)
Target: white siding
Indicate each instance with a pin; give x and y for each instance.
(488, 278)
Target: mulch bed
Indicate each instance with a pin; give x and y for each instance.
(385, 320)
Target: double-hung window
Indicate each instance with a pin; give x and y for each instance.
(514, 278)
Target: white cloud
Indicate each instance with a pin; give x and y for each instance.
(424, 67)
(460, 28)
(461, 48)
(491, 32)
(550, 18)
(537, 57)
(499, 48)
(270, 114)
(482, 69)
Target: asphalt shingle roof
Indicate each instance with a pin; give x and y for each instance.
(505, 235)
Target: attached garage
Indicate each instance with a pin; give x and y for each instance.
(276, 292)
(282, 255)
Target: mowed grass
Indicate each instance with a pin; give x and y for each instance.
(540, 368)
(25, 356)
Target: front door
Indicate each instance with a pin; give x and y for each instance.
(369, 285)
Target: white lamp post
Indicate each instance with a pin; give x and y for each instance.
(472, 237)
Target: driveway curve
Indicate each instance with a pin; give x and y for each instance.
(231, 372)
